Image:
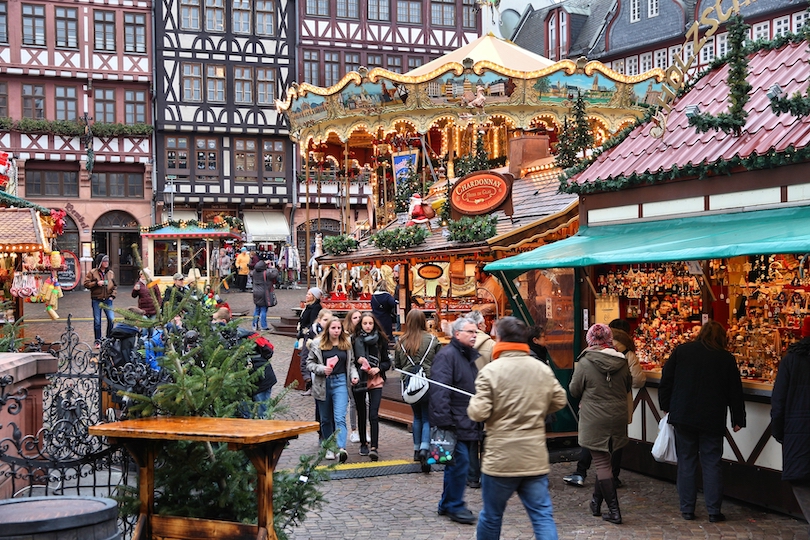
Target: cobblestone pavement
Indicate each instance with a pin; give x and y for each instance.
(403, 506)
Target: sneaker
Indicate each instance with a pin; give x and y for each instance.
(354, 437)
(330, 454)
(574, 480)
(343, 455)
(474, 484)
(363, 449)
(307, 392)
(373, 455)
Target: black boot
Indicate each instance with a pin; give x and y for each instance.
(613, 514)
(596, 499)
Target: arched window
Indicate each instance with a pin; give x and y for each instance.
(115, 220)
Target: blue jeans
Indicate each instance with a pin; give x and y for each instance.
(421, 424)
(455, 480)
(689, 444)
(533, 493)
(97, 309)
(260, 316)
(262, 398)
(333, 408)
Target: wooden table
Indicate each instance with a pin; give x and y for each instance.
(262, 441)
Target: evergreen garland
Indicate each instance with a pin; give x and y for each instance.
(339, 244)
(399, 238)
(582, 134)
(219, 223)
(566, 150)
(733, 121)
(470, 229)
(797, 105)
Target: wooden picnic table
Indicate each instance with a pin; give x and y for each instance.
(262, 441)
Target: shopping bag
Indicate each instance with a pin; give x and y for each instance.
(663, 449)
(442, 446)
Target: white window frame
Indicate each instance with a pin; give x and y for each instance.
(215, 15)
(552, 37)
(799, 20)
(243, 85)
(721, 44)
(781, 26)
(707, 52)
(761, 30)
(635, 11)
(653, 8)
(265, 17)
(240, 16)
(632, 65)
(645, 62)
(661, 59)
(265, 86)
(563, 34)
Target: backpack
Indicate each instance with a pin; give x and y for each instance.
(121, 347)
(417, 385)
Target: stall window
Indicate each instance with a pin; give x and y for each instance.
(193, 254)
(177, 153)
(266, 85)
(135, 106)
(190, 14)
(265, 18)
(51, 183)
(33, 25)
(274, 159)
(207, 155)
(65, 99)
(67, 27)
(117, 185)
(244, 160)
(165, 257)
(134, 33)
(104, 105)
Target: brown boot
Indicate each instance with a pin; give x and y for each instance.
(613, 514)
(596, 499)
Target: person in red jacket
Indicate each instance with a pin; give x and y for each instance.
(148, 296)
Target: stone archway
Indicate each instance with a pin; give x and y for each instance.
(114, 233)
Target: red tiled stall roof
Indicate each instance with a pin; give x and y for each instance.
(682, 145)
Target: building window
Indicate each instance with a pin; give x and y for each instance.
(67, 27)
(104, 102)
(104, 29)
(177, 153)
(351, 61)
(635, 11)
(244, 160)
(707, 52)
(243, 85)
(443, 12)
(781, 26)
(762, 30)
(118, 185)
(192, 82)
(652, 8)
(266, 85)
(799, 20)
(722, 44)
(241, 16)
(3, 22)
(135, 106)
(311, 67)
(33, 24)
(33, 97)
(646, 62)
(214, 15)
(215, 83)
(469, 18)
(134, 33)
(318, 7)
(265, 18)
(190, 14)
(661, 59)
(618, 66)
(395, 64)
(563, 34)
(673, 52)
(51, 183)
(379, 10)
(374, 60)
(3, 100)
(348, 9)
(274, 158)
(65, 99)
(632, 65)
(207, 155)
(409, 11)
(414, 62)
(552, 37)
(331, 74)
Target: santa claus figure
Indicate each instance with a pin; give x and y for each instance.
(415, 211)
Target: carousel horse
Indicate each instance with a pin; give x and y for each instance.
(314, 267)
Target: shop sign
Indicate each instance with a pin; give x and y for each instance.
(430, 271)
(70, 276)
(480, 193)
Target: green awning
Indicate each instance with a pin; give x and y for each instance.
(783, 230)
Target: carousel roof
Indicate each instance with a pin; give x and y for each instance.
(490, 49)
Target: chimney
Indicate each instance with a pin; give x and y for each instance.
(525, 149)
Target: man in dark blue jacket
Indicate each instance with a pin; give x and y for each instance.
(454, 365)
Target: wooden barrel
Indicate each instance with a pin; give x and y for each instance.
(58, 518)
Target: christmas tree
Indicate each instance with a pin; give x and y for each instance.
(583, 136)
(407, 185)
(566, 149)
(475, 161)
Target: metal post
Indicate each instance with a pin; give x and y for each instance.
(306, 246)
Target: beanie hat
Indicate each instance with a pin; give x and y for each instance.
(244, 249)
(599, 335)
(105, 258)
(316, 292)
(806, 327)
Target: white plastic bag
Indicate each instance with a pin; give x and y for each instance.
(663, 449)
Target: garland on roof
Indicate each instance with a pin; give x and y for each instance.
(219, 222)
(733, 121)
(797, 105)
(399, 238)
(771, 158)
(339, 244)
(471, 229)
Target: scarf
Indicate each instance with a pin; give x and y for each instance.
(503, 346)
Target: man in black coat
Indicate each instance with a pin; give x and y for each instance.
(454, 365)
(790, 417)
(698, 383)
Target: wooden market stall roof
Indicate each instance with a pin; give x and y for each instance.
(21, 230)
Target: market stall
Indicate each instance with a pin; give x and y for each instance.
(667, 243)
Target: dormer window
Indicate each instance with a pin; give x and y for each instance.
(552, 37)
(563, 34)
(635, 11)
(652, 8)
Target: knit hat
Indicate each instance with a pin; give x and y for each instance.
(105, 258)
(806, 327)
(599, 335)
(316, 292)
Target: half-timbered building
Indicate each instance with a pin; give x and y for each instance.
(75, 114)
(221, 148)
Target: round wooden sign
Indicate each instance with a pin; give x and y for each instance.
(72, 274)
(479, 193)
(430, 271)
